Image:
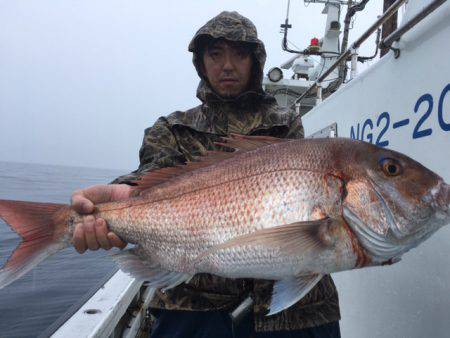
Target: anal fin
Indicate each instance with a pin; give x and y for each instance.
(131, 262)
(289, 291)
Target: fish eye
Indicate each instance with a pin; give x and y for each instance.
(391, 167)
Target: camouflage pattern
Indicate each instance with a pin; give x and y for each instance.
(181, 136)
(233, 27)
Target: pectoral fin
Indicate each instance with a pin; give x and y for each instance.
(289, 291)
(290, 239)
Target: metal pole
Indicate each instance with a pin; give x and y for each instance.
(297, 108)
(382, 19)
(354, 66)
(241, 310)
(348, 18)
(319, 93)
(389, 40)
(389, 26)
(386, 15)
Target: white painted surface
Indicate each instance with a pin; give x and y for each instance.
(411, 298)
(110, 302)
(394, 86)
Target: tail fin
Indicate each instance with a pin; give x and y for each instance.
(42, 227)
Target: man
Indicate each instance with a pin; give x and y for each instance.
(229, 59)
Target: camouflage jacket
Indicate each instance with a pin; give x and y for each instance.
(180, 137)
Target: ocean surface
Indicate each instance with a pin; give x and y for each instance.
(33, 303)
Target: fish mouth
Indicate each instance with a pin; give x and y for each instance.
(443, 197)
(441, 202)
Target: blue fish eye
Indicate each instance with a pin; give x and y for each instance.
(390, 167)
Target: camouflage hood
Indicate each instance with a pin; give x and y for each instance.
(233, 27)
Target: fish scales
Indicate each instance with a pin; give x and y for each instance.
(290, 211)
(225, 202)
(209, 216)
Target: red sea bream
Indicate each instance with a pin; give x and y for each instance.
(286, 210)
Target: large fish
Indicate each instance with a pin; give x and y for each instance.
(286, 210)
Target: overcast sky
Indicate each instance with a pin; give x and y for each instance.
(80, 80)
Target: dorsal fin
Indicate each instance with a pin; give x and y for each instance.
(240, 144)
(156, 177)
(244, 143)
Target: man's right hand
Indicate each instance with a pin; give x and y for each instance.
(94, 233)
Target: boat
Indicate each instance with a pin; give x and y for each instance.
(401, 102)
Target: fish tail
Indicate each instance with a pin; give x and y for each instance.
(42, 226)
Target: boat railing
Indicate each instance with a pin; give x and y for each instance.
(117, 309)
(405, 27)
(352, 51)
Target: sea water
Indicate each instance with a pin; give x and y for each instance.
(30, 305)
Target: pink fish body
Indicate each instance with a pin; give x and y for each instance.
(286, 210)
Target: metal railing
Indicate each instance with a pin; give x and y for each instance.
(351, 52)
(397, 34)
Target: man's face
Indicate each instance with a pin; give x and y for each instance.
(228, 67)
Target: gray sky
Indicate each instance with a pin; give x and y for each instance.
(80, 80)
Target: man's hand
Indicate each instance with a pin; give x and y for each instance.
(93, 233)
